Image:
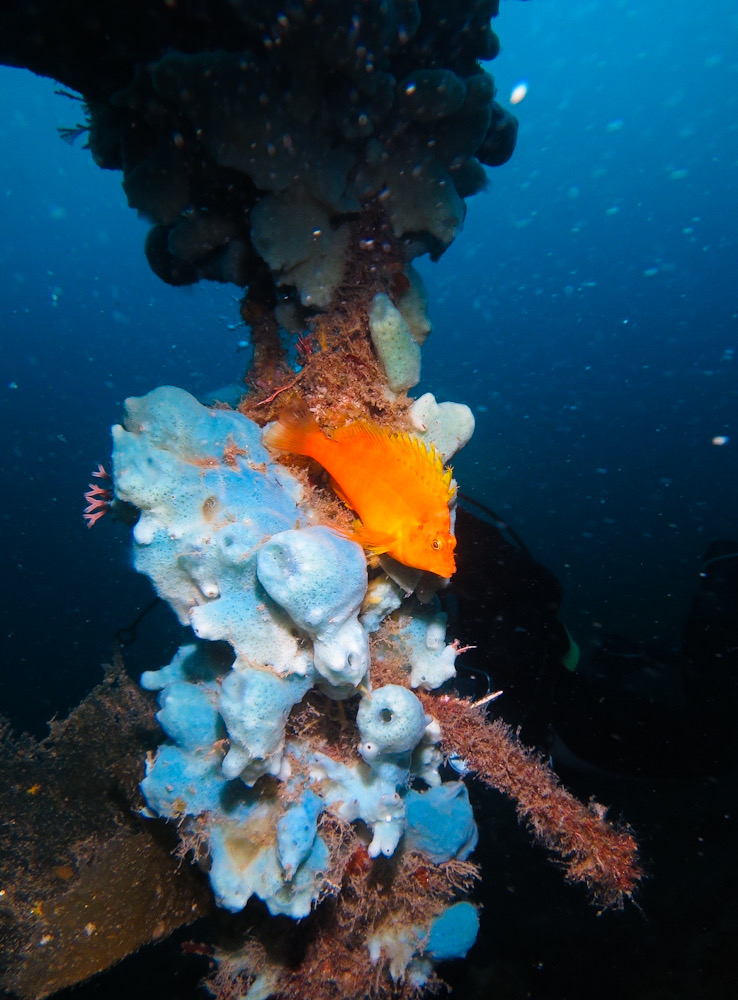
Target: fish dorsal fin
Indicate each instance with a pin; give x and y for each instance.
(359, 429)
(414, 457)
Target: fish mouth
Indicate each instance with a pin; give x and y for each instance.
(447, 570)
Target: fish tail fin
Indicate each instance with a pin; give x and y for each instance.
(295, 431)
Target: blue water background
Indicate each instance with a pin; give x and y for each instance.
(588, 313)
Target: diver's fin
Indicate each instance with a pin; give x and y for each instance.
(570, 659)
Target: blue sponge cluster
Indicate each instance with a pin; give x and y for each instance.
(276, 603)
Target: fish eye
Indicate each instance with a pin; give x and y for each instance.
(437, 544)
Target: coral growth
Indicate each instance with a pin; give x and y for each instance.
(340, 377)
(326, 958)
(302, 762)
(251, 139)
(594, 852)
(98, 497)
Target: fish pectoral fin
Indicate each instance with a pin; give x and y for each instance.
(375, 541)
(339, 492)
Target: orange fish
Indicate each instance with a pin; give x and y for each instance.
(395, 483)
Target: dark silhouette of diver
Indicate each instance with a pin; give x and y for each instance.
(627, 707)
(505, 605)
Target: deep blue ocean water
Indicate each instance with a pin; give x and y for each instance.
(590, 309)
(588, 313)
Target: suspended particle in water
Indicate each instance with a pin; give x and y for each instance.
(518, 93)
